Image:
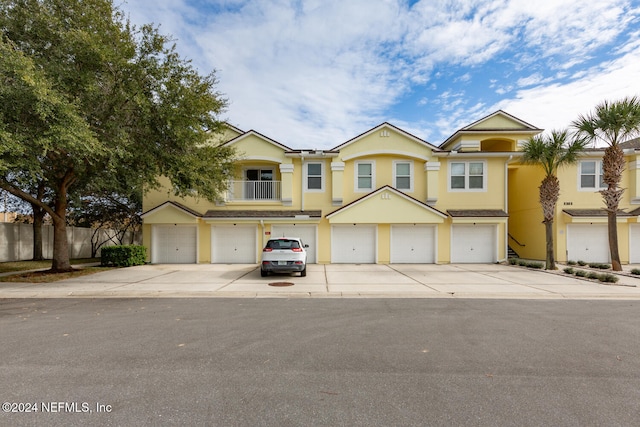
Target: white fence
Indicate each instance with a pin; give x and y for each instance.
(16, 241)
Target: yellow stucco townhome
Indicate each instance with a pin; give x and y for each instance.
(385, 196)
(580, 228)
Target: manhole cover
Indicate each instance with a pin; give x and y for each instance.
(281, 284)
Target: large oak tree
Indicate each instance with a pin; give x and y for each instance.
(88, 101)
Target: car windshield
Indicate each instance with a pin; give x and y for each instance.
(283, 244)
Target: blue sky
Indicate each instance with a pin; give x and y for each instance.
(316, 73)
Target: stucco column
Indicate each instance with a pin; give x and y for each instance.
(337, 176)
(432, 172)
(286, 173)
(634, 179)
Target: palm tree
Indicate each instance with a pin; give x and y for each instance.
(551, 152)
(613, 123)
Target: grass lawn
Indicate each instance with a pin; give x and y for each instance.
(47, 277)
(6, 267)
(44, 276)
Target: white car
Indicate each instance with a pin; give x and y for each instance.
(284, 255)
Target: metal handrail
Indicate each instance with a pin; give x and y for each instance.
(515, 240)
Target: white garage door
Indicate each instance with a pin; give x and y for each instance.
(174, 244)
(413, 244)
(353, 244)
(588, 242)
(306, 232)
(634, 243)
(233, 244)
(473, 244)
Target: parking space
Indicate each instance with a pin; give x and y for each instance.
(333, 280)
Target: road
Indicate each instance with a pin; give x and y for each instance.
(324, 362)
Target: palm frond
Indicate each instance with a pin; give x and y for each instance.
(611, 122)
(553, 151)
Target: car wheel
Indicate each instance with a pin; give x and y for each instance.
(264, 273)
(303, 273)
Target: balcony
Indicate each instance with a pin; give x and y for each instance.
(263, 191)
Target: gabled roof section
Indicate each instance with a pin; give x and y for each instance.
(171, 213)
(499, 121)
(380, 128)
(387, 205)
(172, 204)
(234, 128)
(487, 122)
(260, 136)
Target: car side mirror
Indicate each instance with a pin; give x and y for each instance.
(306, 246)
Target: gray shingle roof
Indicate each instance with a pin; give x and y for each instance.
(257, 214)
(592, 212)
(477, 213)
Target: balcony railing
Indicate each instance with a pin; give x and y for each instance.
(254, 190)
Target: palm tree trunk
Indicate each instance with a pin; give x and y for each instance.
(613, 240)
(551, 260)
(549, 194)
(613, 166)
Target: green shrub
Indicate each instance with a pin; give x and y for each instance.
(635, 271)
(593, 275)
(522, 263)
(608, 278)
(581, 273)
(599, 265)
(123, 256)
(535, 265)
(582, 263)
(571, 262)
(513, 261)
(569, 270)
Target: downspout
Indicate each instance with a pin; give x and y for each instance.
(302, 181)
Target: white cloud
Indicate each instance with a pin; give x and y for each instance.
(532, 80)
(315, 73)
(556, 106)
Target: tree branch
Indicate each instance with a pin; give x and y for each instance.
(27, 197)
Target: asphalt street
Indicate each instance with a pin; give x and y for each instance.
(319, 362)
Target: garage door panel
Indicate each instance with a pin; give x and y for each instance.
(305, 232)
(473, 244)
(233, 244)
(353, 244)
(634, 243)
(588, 242)
(175, 244)
(413, 244)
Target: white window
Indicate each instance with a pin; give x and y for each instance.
(468, 176)
(314, 176)
(591, 175)
(403, 175)
(365, 176)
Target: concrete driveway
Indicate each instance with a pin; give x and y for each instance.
(335, 280)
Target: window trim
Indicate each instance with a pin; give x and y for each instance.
(466, 189)
(356, 176)
(305, 171)
(395, 175)
(598, 176)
